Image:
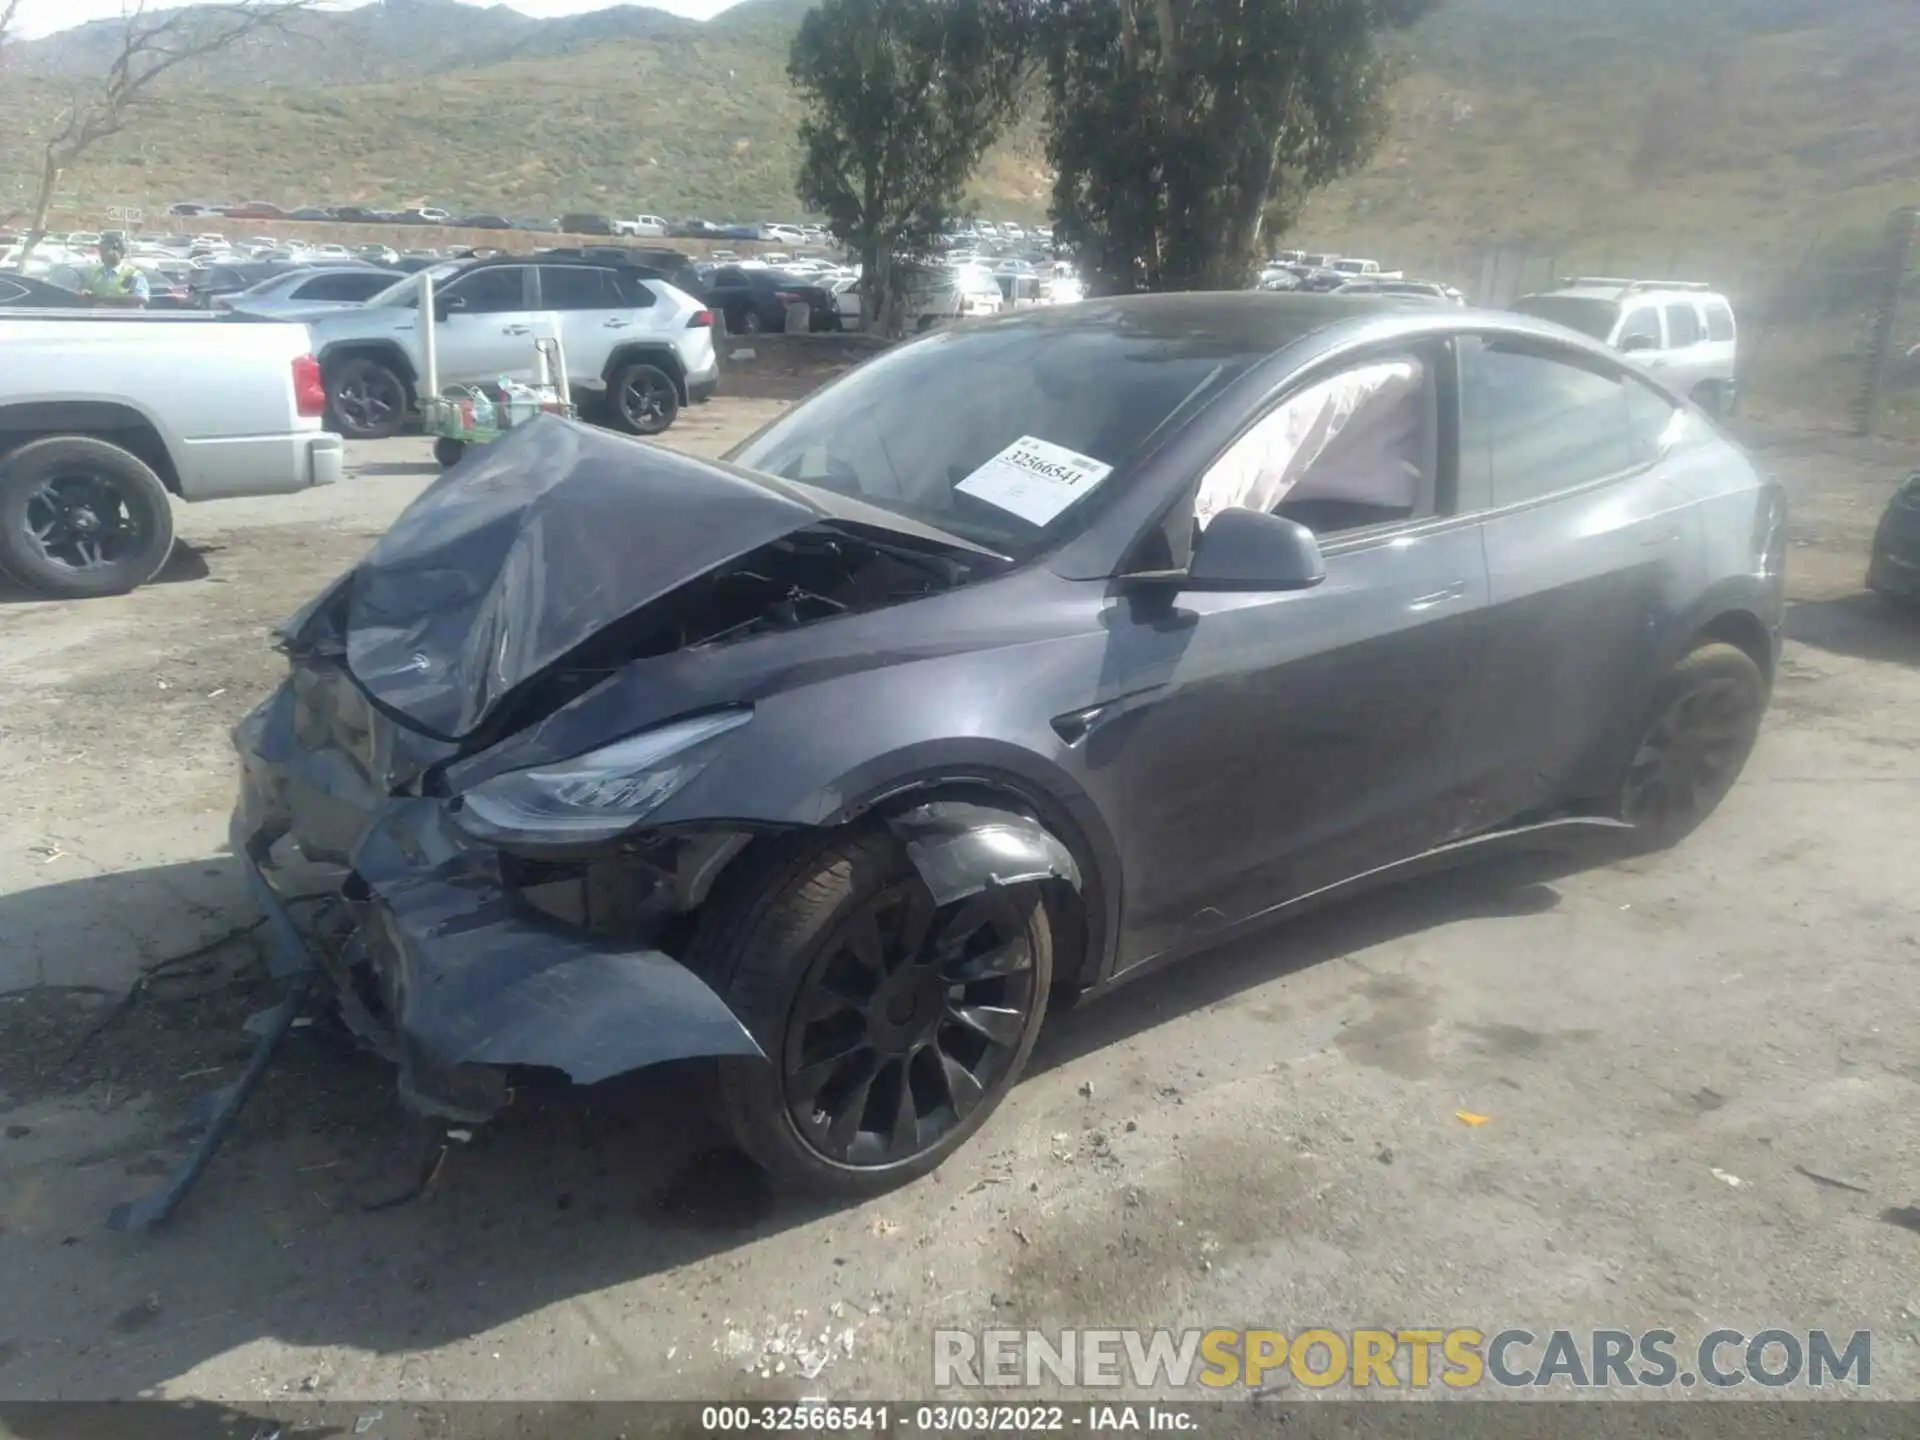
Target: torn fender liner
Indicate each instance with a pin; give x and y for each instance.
(509, 562)
(476, 978)
(961, 848)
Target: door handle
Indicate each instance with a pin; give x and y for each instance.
(617, 324)
(1665, 537)
(1455, 591)
(518, 330)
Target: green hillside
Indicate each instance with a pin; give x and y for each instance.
(1578, 129)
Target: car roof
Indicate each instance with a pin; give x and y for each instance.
(1624, 290)
(1238, 317)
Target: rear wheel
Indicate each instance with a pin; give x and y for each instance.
(81, 518)
(751, 323)
(366, 400)
(894, 1027)
(448, 451)
(643, 399)
(1705, 718)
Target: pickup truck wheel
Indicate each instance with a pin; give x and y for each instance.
(643, 399)
(366, 400)
(81, 518)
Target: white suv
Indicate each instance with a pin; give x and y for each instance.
(1681, 332)
(637, 348)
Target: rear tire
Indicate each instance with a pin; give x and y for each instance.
(449, 452)
(643, 399)
(751, 323)
(1702, 725)
(82, 518)
(858, 1096)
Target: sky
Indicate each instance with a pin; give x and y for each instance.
(43, 17)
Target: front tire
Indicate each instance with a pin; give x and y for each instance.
(448, 451)
(892, 1028)
(1704, 719)
(81, 518)
(366, 400)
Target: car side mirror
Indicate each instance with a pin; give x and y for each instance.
(1252, 550)
(445, 305)
(1247, 550)
(1633, 343)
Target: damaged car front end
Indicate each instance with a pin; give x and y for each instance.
(442, 749)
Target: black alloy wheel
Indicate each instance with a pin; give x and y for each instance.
(892, 1027)
(1707, 717)
(82, 518)
(752, 323)
(645, 400)
(906, 1022)
(368, 400)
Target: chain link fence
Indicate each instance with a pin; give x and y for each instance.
(1829, 331)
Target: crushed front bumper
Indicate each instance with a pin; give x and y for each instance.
(450, 972)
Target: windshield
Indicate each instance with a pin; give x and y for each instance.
(1585, 313)
(914, 430)
(407, 291)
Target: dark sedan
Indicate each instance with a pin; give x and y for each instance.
(755, 298)
(1024, 658)
(1894, 570)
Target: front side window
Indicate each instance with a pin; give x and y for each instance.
(1642, 330)
(490, 292)
(1543, 423)
(730, 276)
(1353, 450)
(1683, 326)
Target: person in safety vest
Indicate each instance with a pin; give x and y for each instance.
(113, 281)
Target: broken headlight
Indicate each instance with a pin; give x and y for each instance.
(599, 795)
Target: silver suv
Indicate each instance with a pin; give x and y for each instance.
(1681, 332)
(637, 348)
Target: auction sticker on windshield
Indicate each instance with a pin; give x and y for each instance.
(1034, 479)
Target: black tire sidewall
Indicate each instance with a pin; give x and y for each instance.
(622, 380)
(758, 959)
(449, 452)
(21, 475)
(340, 375)
(1704, 665)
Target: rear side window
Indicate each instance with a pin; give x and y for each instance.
(729, 275)
(577, 287)
(1719, 320)
(1644, 325)
(343, 287)
(1683, 326)
(1541, 424)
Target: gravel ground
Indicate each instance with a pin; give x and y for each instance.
(1267, 1136)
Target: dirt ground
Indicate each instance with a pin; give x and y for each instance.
(1668, 1053)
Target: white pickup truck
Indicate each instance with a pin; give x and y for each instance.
(104, 416)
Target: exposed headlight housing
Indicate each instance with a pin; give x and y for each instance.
(597, 796)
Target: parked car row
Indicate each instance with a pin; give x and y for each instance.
(655, 227)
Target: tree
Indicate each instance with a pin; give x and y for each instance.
(1180, 130)
(152, 46)
(903, 98)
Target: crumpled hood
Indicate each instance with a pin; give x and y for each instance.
(522, 552)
